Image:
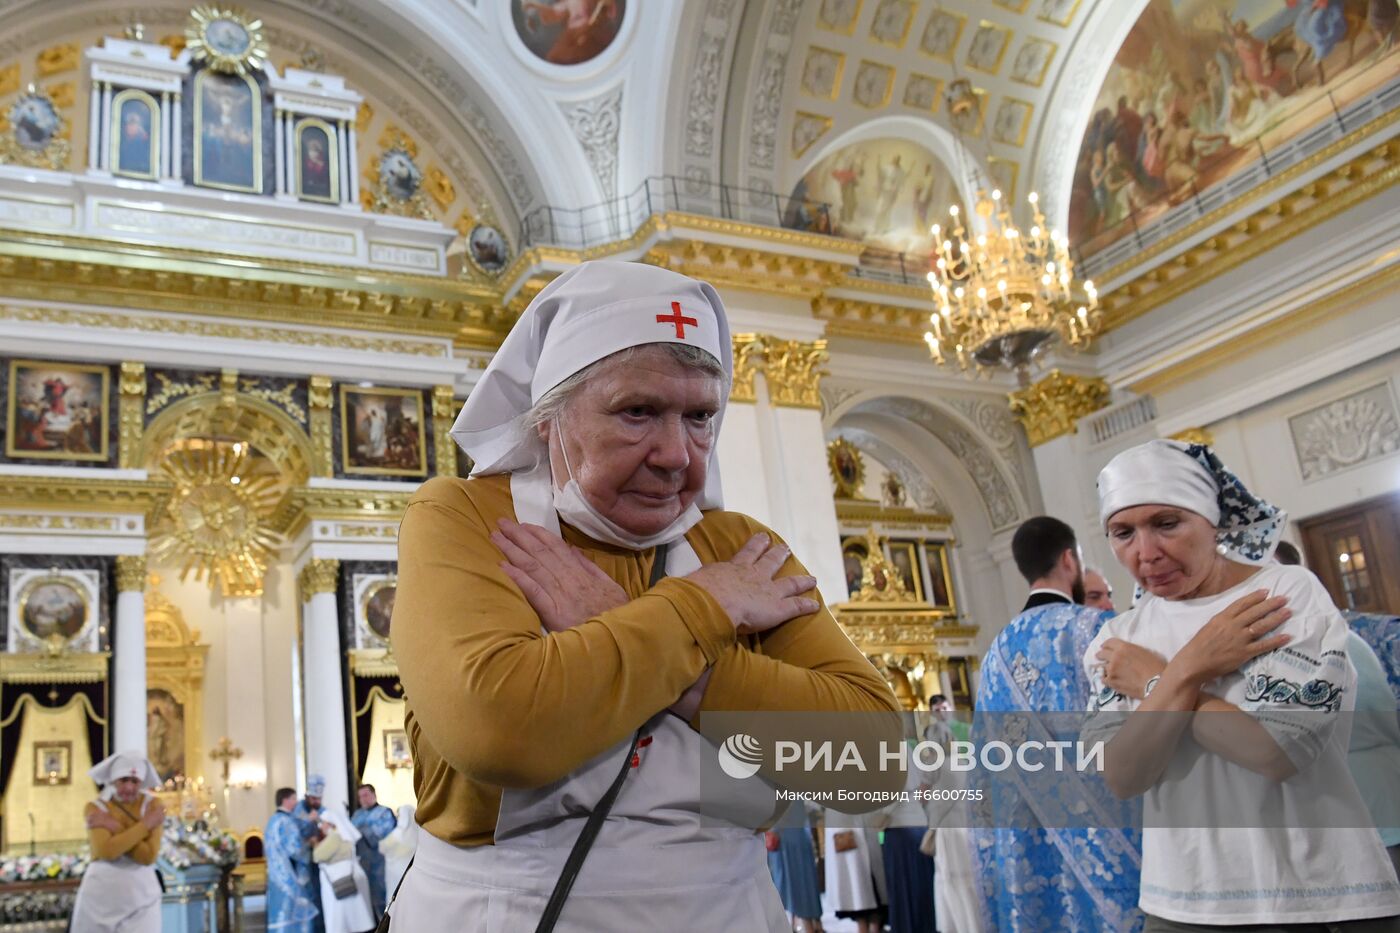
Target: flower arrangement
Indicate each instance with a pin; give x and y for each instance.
(197, 843)
(52, 866)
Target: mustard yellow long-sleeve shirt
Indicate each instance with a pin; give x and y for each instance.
(493, 702)
(135, 839)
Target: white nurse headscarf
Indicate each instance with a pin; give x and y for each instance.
(590, 312)
(1191, 477)
(124, 765)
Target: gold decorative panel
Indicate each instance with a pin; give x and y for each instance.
(58, 58)
(1012, 120)
(892, 21)
(941, 35)
(923, 92)
(839, 15)
(988, 47)
(821, 72)
(1059, 12)
(873, 85)
(807, 128)
(1032, 61)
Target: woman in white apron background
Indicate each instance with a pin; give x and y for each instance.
(855, 871)
(532, 654)
(335, 858)
(120, 892)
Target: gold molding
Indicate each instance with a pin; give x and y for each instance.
(85, 668)
(319, 575)
(109, 273)
(306, 505)
(130, 414)
(1051, 407)
(873, 319)
(444, 413)
(1194, 436)
(320, 397)
(853, 512)
(373, 662)
(34, 493)
(1292, 214)
(131, 573)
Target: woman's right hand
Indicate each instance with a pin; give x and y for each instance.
(1236, 634)
(101, 819)
(745, 586)
(154, 815)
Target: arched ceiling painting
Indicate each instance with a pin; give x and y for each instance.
(1200, 88)
(885, 192)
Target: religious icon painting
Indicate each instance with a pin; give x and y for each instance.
(940, 576)
(399, 176)
(52, 609)
(165, 732)
(381, 431)
(567, 32)
(374, 595)
(53, 763)
(853, 555)
(317, 168)
(229, 40)
(57, 411)
(397, 753)
(905, 561)
(847, 468)
(135, 135)
(487, 250)
(35, 135)
(228, 132)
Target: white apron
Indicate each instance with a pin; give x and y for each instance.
(119, 896)
(657, 864)
(855, 878)
(353, 914)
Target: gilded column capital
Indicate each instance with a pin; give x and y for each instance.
(1195, 436)
(791, 368)
(319, 397)
(320, 575)
(130, 417)
(1053, 406)
(131, 573)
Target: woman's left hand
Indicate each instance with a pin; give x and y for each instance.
(562, 586)
(1128, 667)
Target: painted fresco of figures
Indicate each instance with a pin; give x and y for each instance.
(567, 32)
(165, 733)
(228, 120)
(1200, 85)
(382, 431)
(134, 134)
(314, 179)
(57, 411)
(883, 191)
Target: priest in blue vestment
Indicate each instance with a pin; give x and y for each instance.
(291, 878)
(1035, 871)
(374, 821)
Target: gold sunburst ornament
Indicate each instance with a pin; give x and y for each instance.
(215, 524)
(229, 39)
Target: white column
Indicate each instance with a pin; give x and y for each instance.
(1068, 488)
(289, 154)
(243, 678)
(103, 128)
(94, 124)
(342, 141)
(325, 694)
(351, 175)
(177, 135)
(129, 650)
(164, 171)
(281, 173)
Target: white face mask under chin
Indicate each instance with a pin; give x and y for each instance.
(573, 507)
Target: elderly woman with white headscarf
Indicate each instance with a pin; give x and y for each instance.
(345, 897)
(564, 615)
(120, 892)
(1251, 816)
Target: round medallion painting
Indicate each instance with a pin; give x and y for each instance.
(567, 32)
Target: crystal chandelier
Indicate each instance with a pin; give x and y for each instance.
(1003, 297)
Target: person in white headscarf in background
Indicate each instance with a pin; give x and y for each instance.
(120, 892)
(564, 616)
(345, 897)
(1251, 817)
(398, 848)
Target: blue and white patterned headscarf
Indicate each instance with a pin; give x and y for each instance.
(1191, 476)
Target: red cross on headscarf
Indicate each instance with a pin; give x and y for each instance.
(676, 318)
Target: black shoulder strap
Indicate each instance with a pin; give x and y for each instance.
(594, 825)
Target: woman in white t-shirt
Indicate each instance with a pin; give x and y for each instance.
(1251, 817)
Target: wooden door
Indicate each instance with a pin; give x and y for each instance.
(1355, 551)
